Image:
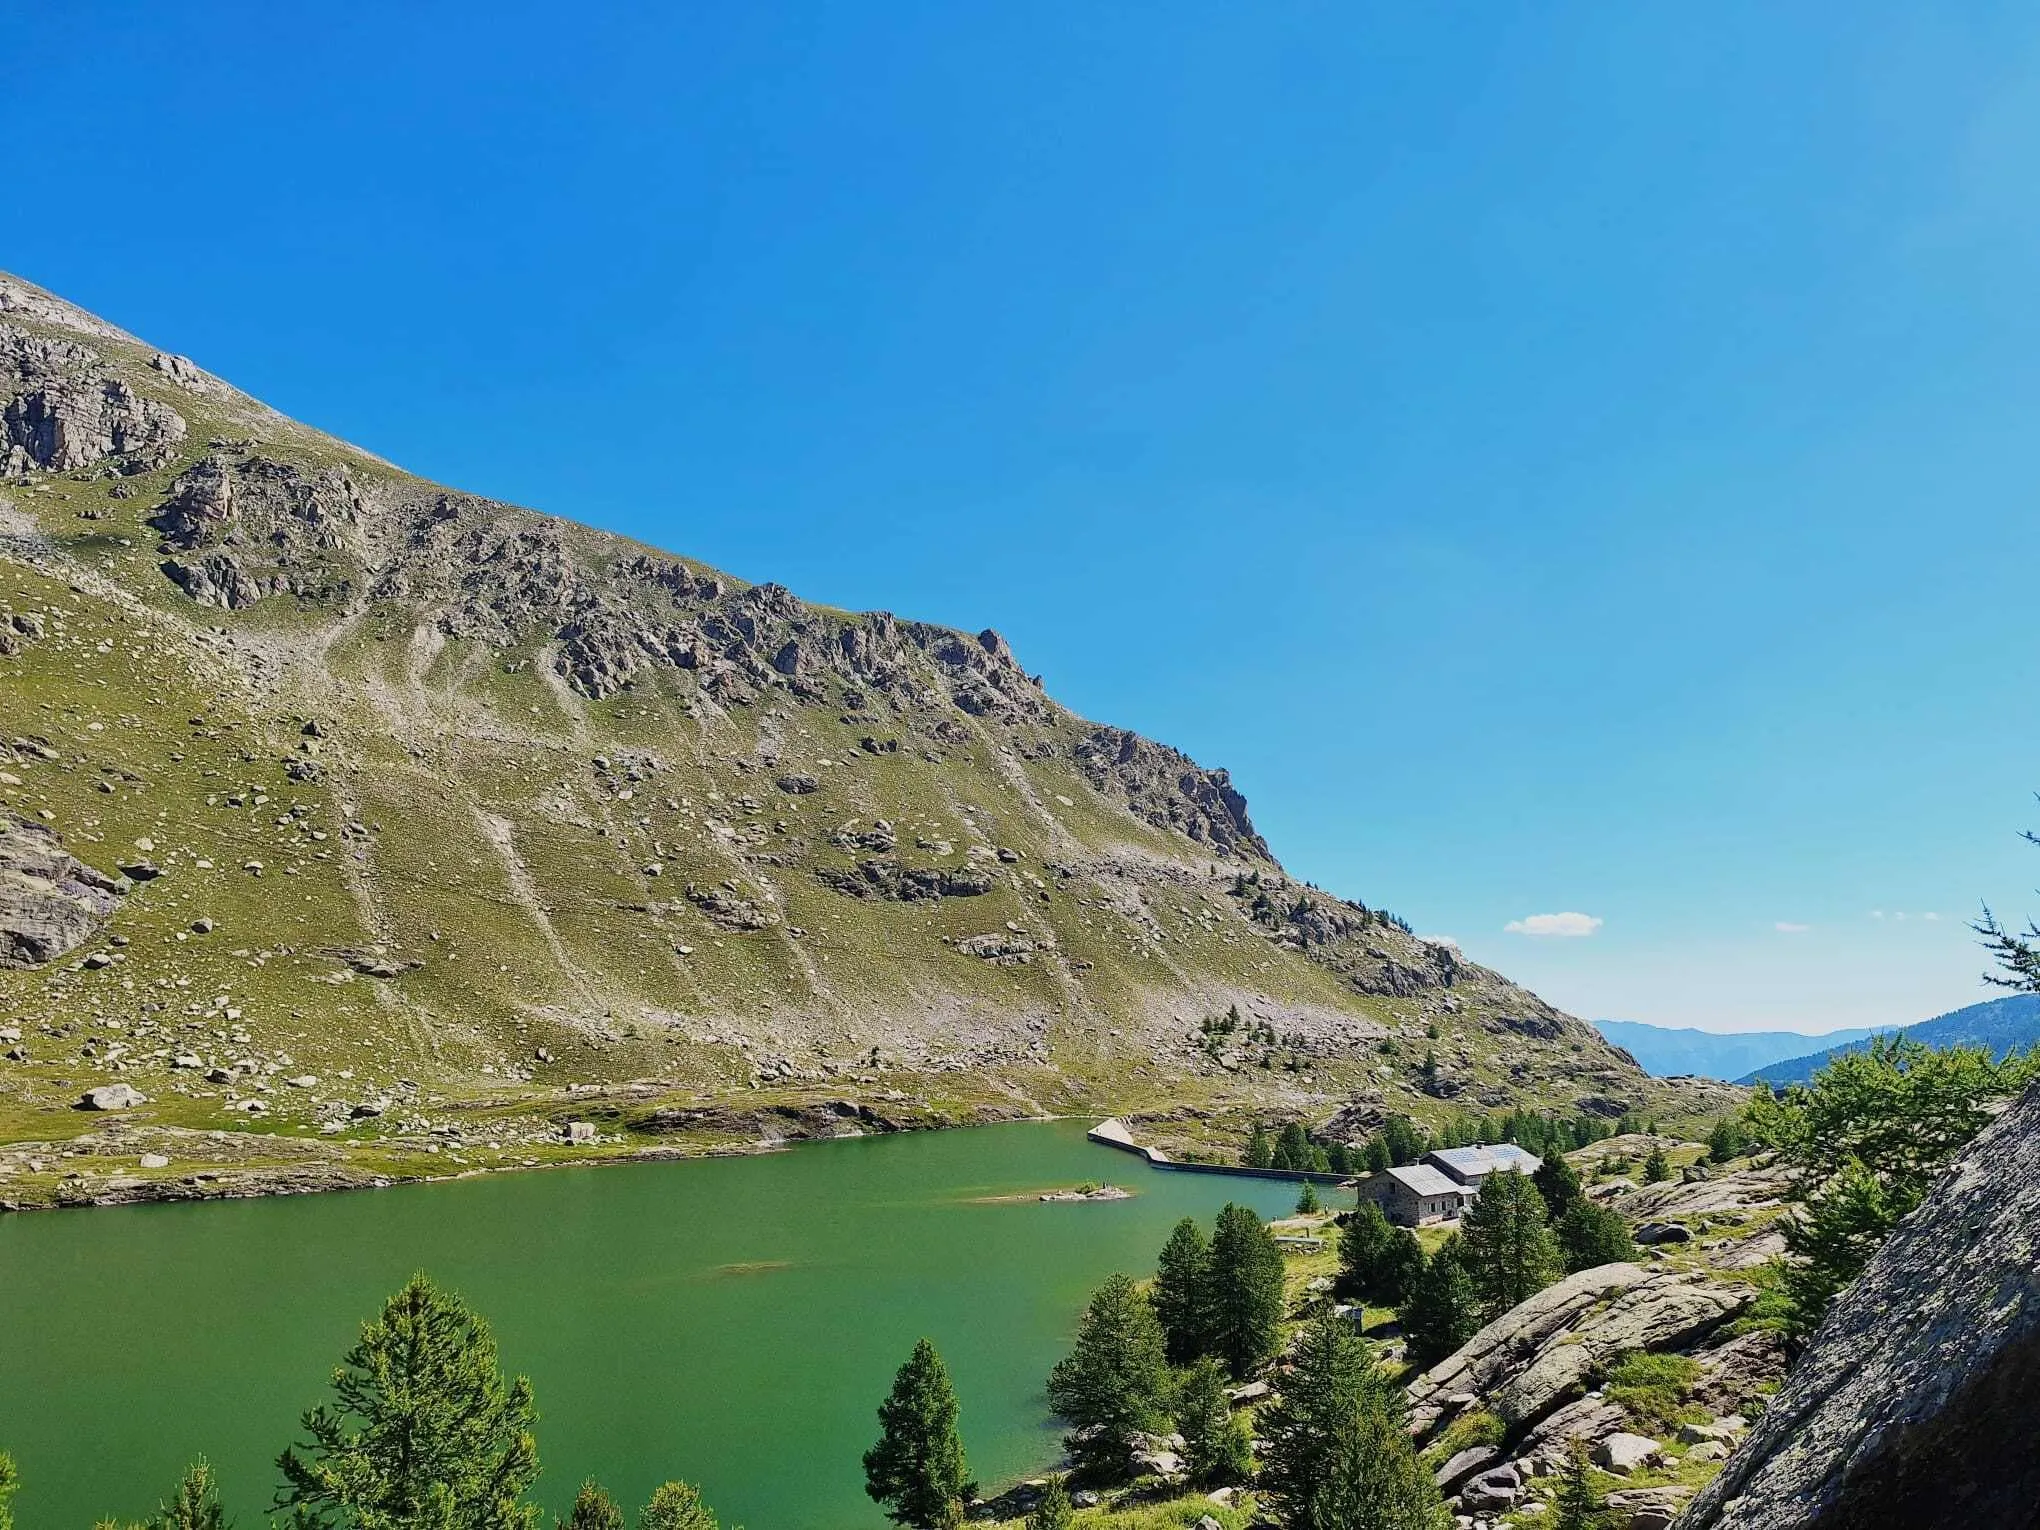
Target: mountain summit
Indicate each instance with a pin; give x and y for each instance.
(341, 800)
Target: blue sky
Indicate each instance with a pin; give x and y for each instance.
(1563, 459)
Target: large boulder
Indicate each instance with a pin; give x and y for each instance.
(1542, 1353)
(1914, 1404)
(50, 901)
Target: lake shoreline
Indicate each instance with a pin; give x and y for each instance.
(324, 1167)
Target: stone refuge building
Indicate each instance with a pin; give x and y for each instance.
(1440, 1186)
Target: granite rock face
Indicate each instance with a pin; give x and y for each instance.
(1544, 1353)
(50, 902)
(1914, 1404)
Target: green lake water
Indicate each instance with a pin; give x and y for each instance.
(731, 1321)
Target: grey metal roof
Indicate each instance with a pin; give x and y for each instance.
(1479, 1162)
(1425, 1180)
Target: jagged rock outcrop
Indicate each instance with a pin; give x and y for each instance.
(50, 901)
(878, 877)
(66, 411)
(1544, 1352)
(1914, 1404)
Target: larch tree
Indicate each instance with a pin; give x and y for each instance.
(1373, 1479)
(917, 1469)
(677, 1506)
(425, 1432)
(1182, 1293)
(1443, 1311)
(1246, 1291)
(593, 1509)
(1216, 1446)
(1509, 1251)
(1114, 1382)
(1331, 1372)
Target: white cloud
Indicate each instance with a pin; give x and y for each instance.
(1936, 918)
(1787, 927)
(1439, 940)
(1554, 924)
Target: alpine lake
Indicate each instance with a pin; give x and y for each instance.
(731, 1321)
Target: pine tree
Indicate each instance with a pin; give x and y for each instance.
(1216, 1448)
(1559, 1183)
(426, 1433)
(1372, 1480)
(195, 1505)
(1577, 1505)
(1443, 1311)
(593, 1510)
(1378, 1262)
(677, 1506)
(1655, 1167)
(917, 1468)
(1591, 1235)
(1307, 1203)
(1293, 1148)
(1260, 1150)
(1378, 1160)
(1052, 1511)
(1111, 1385)
(1510, 1252)
(1182, 1293)
(1246, 1291)
(1331, 1373)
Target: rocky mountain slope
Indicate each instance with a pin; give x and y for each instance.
(336, 802)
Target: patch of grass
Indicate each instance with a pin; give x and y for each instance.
(1651, 1389)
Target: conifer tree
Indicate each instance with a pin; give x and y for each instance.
(677, 1506)
(1216, 1448)
(1509, 1250)
(1331, 1373)
(426, 1433)
(1246, 1291)
(195, 1505)
(1112, 1383)
(1293, 1148)
(1377, 1158)
(1307, 1203)
(1182, 1293)
(593, 1509)
(1443, 1312)
(1372, 1479)
(1559, 1183)
(1577, 1505)
(917, 1470)
(1591, 1235)
(1656, 1169)
(1052, 1511)
(1260, 1149)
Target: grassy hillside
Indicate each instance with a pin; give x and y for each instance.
(445, 823)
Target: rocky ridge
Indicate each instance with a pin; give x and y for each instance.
(440, 789)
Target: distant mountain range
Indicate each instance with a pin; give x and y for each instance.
(1786, 1057)
(1666, 1052)
(2004, 1025)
